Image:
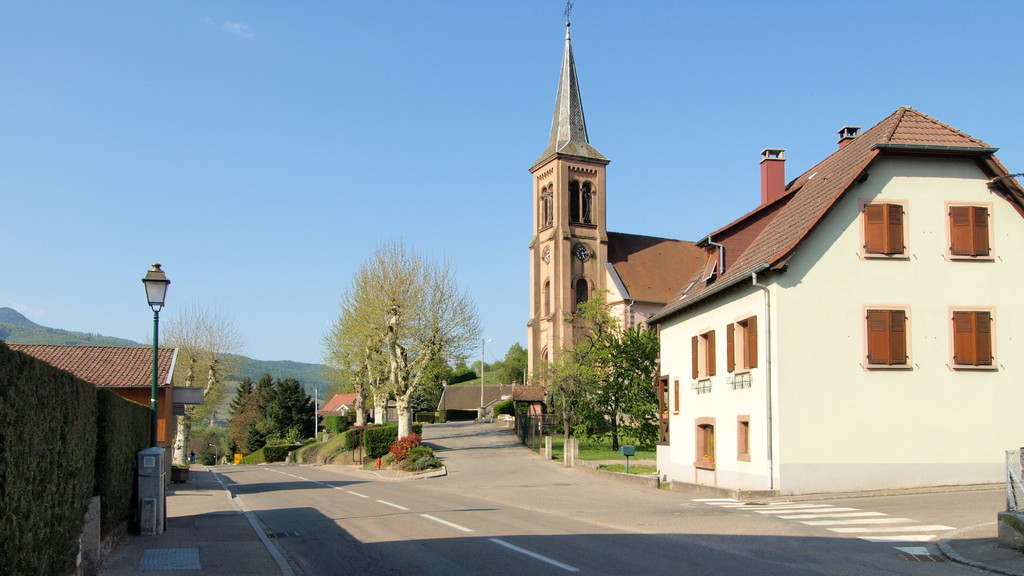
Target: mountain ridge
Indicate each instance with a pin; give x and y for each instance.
(15, 328)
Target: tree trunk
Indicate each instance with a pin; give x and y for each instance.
(404, 414)
(380, 408)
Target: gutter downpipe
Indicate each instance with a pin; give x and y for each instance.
(767, 367)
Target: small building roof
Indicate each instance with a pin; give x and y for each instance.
(109, 366)
(337, 402)
(528, 394)
(467, 397)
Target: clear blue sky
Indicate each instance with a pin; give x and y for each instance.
(260, 150)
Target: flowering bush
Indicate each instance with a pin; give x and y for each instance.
(400, 448)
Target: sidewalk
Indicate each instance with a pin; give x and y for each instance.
(206, 534)
(978, 546)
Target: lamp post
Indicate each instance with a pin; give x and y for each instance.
(482, 344)
(156, 283)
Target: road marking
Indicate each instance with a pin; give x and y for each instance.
(822, 510)
(831, 515)
(239, 506)
(386, 503)
(713, 500)
(355, 493)
(447, 523)
(857, 521)
(901, 538)
(535, 556)
(861, 530)
(782, 508)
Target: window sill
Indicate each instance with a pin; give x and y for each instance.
(885, 367)
(870, 256)
(704, 465)
(958, 258)
(970, 368)
(743, 456)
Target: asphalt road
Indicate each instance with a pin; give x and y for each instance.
(502, 510)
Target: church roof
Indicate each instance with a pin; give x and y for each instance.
(787, 221)
(568, 127)
(652, 269)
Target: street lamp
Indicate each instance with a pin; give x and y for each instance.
(482, 344)
(156, 283)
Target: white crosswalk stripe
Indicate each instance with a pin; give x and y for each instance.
(866, 525)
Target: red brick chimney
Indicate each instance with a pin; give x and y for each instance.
(773, 174)
(848, 133)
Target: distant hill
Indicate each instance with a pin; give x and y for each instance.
(15, 328)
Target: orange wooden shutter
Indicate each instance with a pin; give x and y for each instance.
(752, 342)
(963, 339)
(675, 401)
(980, 230)
(960, 234)
(874, 229)
(711, 353)
(894, 229)
(694, 358)
(730, 348)
(878, 336)
(983, 339)
(897, 337)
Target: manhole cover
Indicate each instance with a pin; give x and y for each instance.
(170, 559)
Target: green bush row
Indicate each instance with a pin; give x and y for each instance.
(377, 440)
(122, 430)
(275, 453)
(336, 424)
(506, 407)
(50, 424)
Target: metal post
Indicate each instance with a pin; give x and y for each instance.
(152, 397)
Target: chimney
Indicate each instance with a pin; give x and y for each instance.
(848, 133)
(773, 174)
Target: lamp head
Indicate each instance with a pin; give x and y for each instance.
(156, 283)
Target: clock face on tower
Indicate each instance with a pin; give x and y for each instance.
(547, 255)
(582, 252)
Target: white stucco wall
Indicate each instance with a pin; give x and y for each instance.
(840, 426)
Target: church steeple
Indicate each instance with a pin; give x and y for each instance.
(568, 127)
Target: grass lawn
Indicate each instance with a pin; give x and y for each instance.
(633, 468)
(598, 450)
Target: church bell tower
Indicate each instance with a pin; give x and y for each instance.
(570, 236)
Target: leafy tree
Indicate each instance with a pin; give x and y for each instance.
(208, 342)
(290, 409)
(409, 312)
(513, 367)
(604, 385)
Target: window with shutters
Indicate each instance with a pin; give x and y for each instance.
(705, 448)
(972, 339)
(675, 397)
(663, 401)
(887, 338)
(741, 345)
(702, 356)
(884, 230)
(970, 232)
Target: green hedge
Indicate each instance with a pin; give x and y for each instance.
(377, 441)
(336, 424)
(276, 453)
(506, 407)
(47, 464)
(122, 430)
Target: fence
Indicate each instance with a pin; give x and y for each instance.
(1014, 484)
(531, 430)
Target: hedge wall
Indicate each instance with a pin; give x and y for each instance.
(122, 430)
(377, 441)
(47, 464)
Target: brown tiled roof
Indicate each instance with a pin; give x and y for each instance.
(652, 269)
(467, 397)
(808, 198)
(334, 405)
(106, 365)
(528, 394)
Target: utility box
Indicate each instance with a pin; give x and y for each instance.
(152, 482)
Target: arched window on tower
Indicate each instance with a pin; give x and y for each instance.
(574, 202)
(587, 201)
(547, 299)
(546, 212)
(582, 293)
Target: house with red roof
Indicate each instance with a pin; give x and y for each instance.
(858, 329)
(126, 371)
(339, 405)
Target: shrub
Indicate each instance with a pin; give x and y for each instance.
(420, 458)
(122, 430)
(377, 440)
(336, 424)
(400, 448)
(506, 407)
(276, 453)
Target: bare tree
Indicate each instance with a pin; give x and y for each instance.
(207, 341)
(409, 311)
